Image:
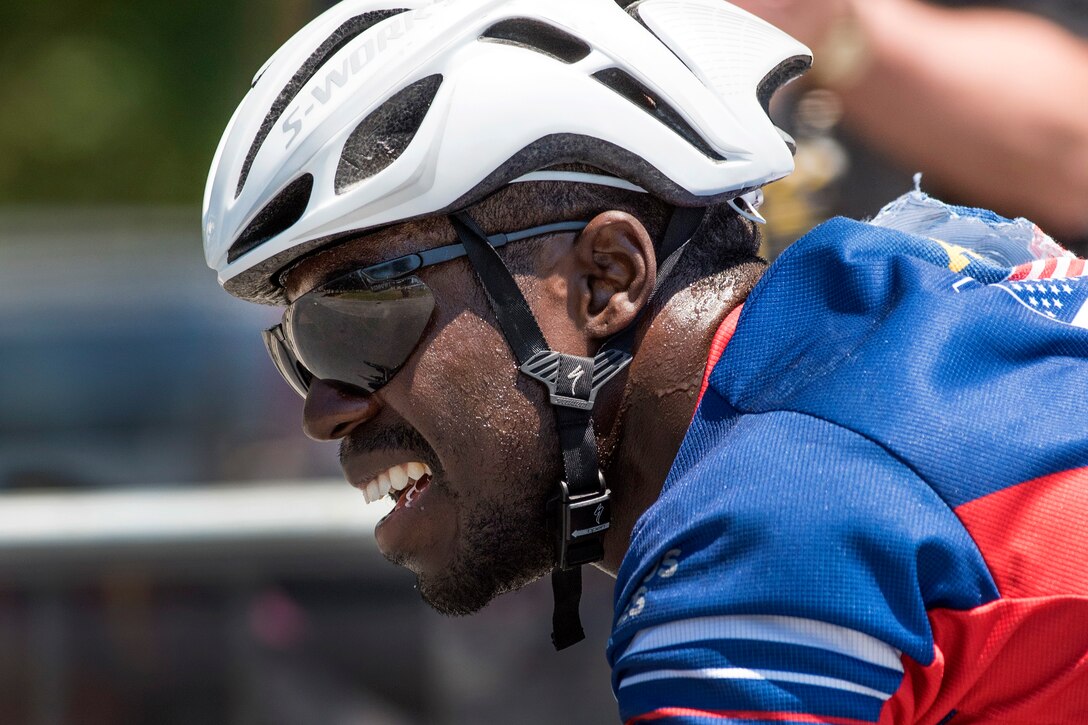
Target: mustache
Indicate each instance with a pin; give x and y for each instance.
(390, 437)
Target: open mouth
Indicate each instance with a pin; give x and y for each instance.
(402, 483)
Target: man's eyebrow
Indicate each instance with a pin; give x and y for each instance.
(360, 258)
(417, 247)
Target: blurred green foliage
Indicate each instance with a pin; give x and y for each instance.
(122, 101)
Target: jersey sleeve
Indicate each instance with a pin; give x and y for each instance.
(784, 582)
(755, 669)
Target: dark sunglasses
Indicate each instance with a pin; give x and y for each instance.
(358, 329)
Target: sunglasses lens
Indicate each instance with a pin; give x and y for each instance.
(358, 336)
(292, 371)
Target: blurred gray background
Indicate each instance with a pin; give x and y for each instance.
(159, 561)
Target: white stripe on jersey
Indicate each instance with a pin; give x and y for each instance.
(1062, 270)
(1037, 268)
(740, 673)
(769, 628)
(1081, 320)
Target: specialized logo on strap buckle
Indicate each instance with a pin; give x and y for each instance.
(573, 377)
(573, 381)
(583, 521)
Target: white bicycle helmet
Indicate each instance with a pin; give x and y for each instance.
(381, 111)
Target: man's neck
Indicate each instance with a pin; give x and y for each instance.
(658, 403)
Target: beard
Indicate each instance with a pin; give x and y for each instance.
(506, 545)
(504, 541)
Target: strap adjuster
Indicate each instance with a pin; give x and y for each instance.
(582, 523)
(572, 381)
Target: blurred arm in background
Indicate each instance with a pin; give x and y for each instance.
(990, 103)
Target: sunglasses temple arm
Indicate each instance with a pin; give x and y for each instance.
(454, 251)
(555, 228)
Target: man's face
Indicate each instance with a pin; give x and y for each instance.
(476, 528)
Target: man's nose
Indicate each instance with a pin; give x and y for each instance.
(334, 410)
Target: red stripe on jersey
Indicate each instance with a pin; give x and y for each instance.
(786, 717)
(1009, 661)
(1020, 273)
(721, 340)
(1048, 268)
(1076, 268)
(1028, 537)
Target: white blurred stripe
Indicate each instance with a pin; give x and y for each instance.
(300, 510)
(581, 178)
(740, 673)
(769, 628)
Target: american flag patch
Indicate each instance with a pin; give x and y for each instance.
(1059, 299)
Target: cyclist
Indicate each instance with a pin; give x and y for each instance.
(843, 489)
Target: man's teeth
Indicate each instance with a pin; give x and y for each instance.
(396, 478)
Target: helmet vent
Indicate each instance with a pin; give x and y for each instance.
(384, 135)
(278, 215)
(627, 86)
(537, 36)
(337, 40)
(786, 71)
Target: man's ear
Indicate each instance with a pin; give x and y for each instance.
(612, 275)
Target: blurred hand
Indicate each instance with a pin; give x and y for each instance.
(807, 20)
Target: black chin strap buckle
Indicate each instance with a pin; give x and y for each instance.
(582, 523)
(581, 511)
(584, 512)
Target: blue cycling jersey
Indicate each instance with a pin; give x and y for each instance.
(876, 514)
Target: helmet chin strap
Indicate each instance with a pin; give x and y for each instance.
(579, 514)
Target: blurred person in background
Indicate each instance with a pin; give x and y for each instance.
(516, 244)
(988, 99)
